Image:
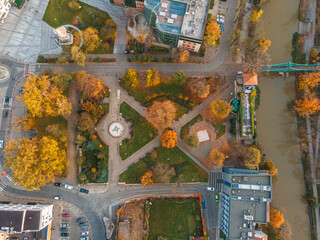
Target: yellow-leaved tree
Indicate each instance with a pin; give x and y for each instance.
(130, 79)
(264, 44)
(220, 110)
(255, 16)
(34, 162)
(152, 77)
(78, 56)
(91, 39)
(42, 98)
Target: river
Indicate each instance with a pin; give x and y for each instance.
(277, 128)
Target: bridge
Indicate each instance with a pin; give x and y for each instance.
(290, 67)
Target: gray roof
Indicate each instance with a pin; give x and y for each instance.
(11, 219)
(246, 197)
(32, 220)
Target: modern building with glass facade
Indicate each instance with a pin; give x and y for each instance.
(245, 201)
(178, 23)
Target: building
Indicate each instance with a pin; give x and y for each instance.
(17, 218)
(178, 23)
(260, 236)
(245, 199)
(4, 9)
(250, 79)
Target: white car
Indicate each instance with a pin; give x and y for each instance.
(57, 198)
(86, 233)
(68, 186)
(1, 143)
(64, 225)
(210, 189)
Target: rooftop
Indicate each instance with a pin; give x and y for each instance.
(250, 79)
(11, 219)
(181, 17)
(32, 220)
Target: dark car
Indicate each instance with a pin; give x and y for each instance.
(63, 229)
(5, 113)
(57, 184)
(83, 224)
(84, 190)
(80, 219)
(64, 234)
(6, 100)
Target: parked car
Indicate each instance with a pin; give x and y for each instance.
(80, 220)
(217, 197)
(66, 215)
(63, 229)
(5, 113)
(25, 238)
(64, 225)
(84, 190)
(83, 224)
(84, 238)
(68, 186)
(64, 234)
(57, 198)
(57, 184)
(210, 189)
(1, 143)
(85, 233)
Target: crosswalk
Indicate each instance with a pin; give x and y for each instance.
(215, 179)
(3, 185)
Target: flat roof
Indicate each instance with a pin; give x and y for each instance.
(186, 18)
(11, 219)
(32, 220)
(194, 21)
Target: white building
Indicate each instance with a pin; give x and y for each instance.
(4, 9)
(17, 218)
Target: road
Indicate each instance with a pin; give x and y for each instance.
(94, 205)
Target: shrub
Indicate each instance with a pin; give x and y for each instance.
(132, 58)
(159, 58)
(98, 59)
(41, 59)
(73, 5)
(233, 125)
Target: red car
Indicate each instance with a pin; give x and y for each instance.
(66, 215)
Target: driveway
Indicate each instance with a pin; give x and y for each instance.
(24, 35)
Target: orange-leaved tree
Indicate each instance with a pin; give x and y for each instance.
(276, 218)
(216, 158)
(264, 44)
(169, 139)
(147, 178)
(161, 114)
(182, 55)
(90, 86)
(307, 106)
(213, 33)
(310, 80)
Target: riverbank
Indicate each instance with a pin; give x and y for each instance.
(277, 126)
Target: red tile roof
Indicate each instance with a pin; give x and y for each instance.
(250, 79)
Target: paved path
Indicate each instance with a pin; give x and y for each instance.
(72, 153)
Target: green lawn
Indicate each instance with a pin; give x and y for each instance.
(184, 133)
(221, 129)
(58, 13)
(183, 165)
(171, 89)
(158, 49)
(175, 218)
(143, 131)
(43, 123)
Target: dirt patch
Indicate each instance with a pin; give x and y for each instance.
(131, 218)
